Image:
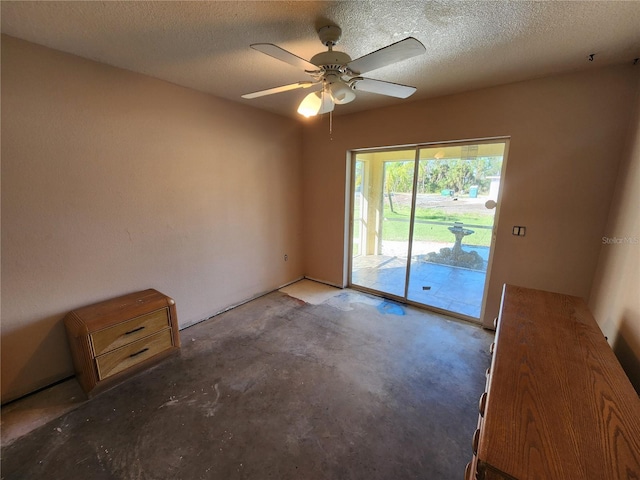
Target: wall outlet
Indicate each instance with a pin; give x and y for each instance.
(286, 257)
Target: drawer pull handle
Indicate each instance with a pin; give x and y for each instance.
(482, 404)
(492, 347)
(138, 353)
(475, 441)
(134, 330)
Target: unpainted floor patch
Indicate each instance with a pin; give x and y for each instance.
(311, 292)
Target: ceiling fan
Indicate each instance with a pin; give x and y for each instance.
(338, 75)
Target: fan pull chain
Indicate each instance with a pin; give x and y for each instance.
(331, 124)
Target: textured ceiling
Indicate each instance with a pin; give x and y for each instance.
(205, 45)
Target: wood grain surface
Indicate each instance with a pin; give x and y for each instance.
(559, 405)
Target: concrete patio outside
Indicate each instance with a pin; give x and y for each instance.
(455, 289)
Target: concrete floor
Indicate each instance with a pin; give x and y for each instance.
(342, 385)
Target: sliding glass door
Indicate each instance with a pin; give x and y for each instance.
(422, 223)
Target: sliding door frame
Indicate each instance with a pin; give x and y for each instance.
(351, 158)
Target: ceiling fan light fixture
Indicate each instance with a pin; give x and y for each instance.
(310, 105)
(341, 93)
(327, 103)
(315, 103)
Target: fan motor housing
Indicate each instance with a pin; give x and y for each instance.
(330, 58)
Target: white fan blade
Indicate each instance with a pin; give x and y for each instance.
(396, 52)
(384, 88)
(282, 88)
(284, 56)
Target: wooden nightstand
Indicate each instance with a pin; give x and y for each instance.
(114, 339)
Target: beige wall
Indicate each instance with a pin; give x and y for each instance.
(615, 297)
(567, 136)
(114, 182)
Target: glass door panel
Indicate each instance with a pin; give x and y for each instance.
(453, 229)
(381, 220)
(359, 228)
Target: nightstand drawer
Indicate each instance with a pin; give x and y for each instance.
(133, 353)
(127, 332)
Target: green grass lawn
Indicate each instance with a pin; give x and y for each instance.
(399, 230)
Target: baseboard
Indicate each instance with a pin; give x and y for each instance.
(331, 284)
(236, 305)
